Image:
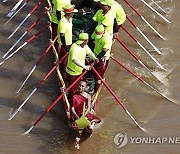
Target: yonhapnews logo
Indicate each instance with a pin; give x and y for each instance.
(121, 140)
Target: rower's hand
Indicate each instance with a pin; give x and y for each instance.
(96, 60)
(87, 68)
(115, 35)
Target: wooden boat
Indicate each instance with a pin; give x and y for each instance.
(79, 22)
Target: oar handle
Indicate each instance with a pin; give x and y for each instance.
(58, 99)
(36, 6)
(135, 57)
(46, 51)
(133, 7)
(125, 29)
(130, 20)
(32, 37)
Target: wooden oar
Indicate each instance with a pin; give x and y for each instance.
(118, 62)
(96, 96)
(57, 69)
(143, 48)
(117, 99)
(139, 14)
(29, 28)
(61, 80)
(14, 8)
(139, 30)
(37, 63)
(25, 3)
(37, 87)
(159, 6)
(135, 57)
(55, 102)
(149, 6)
(29, 14)
(29, 40)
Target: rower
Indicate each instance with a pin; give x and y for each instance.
(118, 13)
(103, 16)
(102, 49)
(64, 33)
(119, 17)
(57, 13)
(76, 61)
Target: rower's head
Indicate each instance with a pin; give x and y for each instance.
(98, 33)
(82, 86)
(69, 10)
(98, 2)
(82, 39)
(106, 5)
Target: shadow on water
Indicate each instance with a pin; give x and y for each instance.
(53, 134)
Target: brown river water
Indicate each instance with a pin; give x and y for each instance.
(157, 115)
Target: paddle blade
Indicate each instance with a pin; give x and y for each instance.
(10, 13)
(4, 1)
(143, 129)
(28, 131)
(13, 115)
(2, 62)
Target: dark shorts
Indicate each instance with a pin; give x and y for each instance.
(70, 80)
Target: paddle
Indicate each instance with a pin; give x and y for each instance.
(14, 8)
(61, 79)
(142, 47)
(57, 69)
(149, 6)
(29, 28)
(138, 13)
(135, 57)
(37, 87)
(159, 6)
(138, 29)
(25, 3)
(29, 14)
(25, 43)
(117, 99)
(4, 1)
(118, 62)
(96, 96)
(38, 62)
(55, 102)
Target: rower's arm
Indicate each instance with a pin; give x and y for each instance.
(74, 112)
(89, 104)
(90, 24)
(62, 36)
(81, 65)
(92, 56)
(58, 14)
(102, 53)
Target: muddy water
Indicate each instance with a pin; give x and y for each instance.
(156, 114)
